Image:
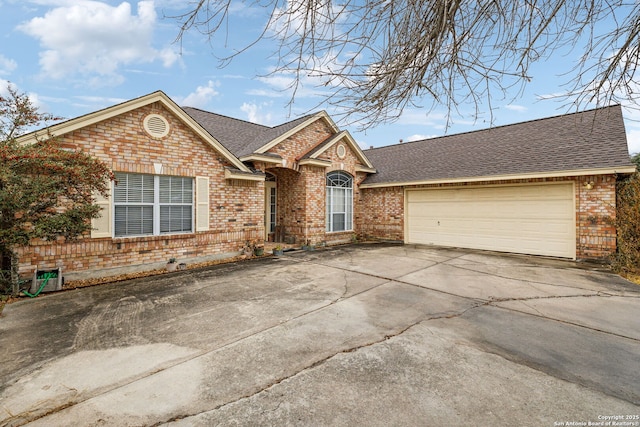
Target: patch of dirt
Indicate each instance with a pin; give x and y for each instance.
(75, 284)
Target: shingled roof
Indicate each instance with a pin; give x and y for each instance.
(238, 136)
(589, 140)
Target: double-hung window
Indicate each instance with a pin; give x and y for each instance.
(339, 216)
(152, 205)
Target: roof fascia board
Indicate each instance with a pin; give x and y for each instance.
(351, 142)
(560, 174)
(261, 158)
(309, 121)
(92, 118)
(110, 112)
(367, 170)
(244, 176)
(315, 162)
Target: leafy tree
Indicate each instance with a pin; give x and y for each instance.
(635, 159)
(46, 190)
(378, 57)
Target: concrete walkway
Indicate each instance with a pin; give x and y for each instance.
(374, 335)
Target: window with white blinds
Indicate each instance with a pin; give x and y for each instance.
(339, 214)
(152, 205)
(176, 204)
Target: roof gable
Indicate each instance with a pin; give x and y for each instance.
(346, 137)
(249, 141)
(579, 142)
(244, 138)
(282, 132)
(110, 112)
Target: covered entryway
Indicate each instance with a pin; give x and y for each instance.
(537, 219)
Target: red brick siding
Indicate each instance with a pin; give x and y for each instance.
(290, 192)
(382, 212)
(595, 213)
(300, 143)
(301, 204)
(236, 207)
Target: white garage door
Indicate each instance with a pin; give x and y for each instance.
(529, 219)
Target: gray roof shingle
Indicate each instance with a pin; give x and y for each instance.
(587, 140)
(238, 136)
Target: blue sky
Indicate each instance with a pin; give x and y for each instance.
(77, 56)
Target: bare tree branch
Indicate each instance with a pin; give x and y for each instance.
(374, 58)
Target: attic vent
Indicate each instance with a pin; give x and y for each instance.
(342, 151)
(156, 125)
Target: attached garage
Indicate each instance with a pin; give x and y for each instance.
(543, 187)
(536, 219)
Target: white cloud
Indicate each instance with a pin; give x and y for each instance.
(419, 137)
(7, 65)
(201, 97)
(93, 103)
(284, 84)
(633, 140)
(518, 108)
(264, 92)
(434, 119)
(35, 99)
(314, 82)
(255, 114)
(94, 38)
(4, 85)
(631, 114)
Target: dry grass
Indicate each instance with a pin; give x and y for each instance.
(632, 277)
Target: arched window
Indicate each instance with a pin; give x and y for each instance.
(339, 202)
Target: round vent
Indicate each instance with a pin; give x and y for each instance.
(156, 125)
(341, 151)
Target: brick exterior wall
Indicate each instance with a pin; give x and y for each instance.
(595, 213)
(236, 207)
(382, 212)
(296, 146)
(301, 189)
(290, 206)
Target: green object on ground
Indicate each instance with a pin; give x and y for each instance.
(48, 275)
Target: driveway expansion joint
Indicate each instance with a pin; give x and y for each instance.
(351, 282)
(320, 362)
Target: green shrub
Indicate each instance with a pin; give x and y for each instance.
(627, 258)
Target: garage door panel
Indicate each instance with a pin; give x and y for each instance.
(495, 209)
(534, 219)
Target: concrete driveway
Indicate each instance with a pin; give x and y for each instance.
(372, 335)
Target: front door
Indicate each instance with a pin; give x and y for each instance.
(269, 208)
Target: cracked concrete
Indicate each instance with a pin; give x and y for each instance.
(368, 334)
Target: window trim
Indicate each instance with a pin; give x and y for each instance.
(156, 206)
(329, 201)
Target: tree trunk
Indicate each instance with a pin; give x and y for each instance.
(15, 278)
